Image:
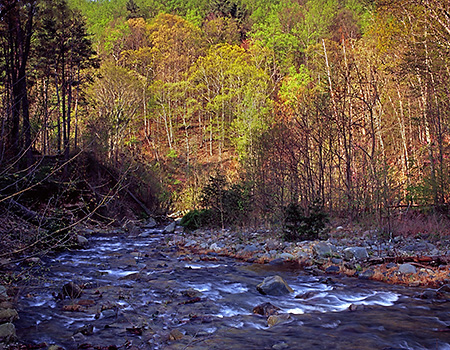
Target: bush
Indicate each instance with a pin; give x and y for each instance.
(223, 204)
(196, 219)
(299, 226)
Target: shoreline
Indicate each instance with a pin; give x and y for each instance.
(414, 262)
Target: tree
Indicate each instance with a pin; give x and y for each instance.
(116, 98)
(17, 25)
(133, 10)
(66, 50)
(233, 93)
(221, 30)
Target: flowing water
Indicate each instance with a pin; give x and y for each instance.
(138, 292)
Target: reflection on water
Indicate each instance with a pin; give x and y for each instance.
(138, 291)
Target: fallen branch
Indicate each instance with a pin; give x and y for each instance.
(418, 260)
(25, 213)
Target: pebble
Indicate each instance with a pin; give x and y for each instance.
(175, 334)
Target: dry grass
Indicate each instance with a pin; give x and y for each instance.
(427, 277)
(422, 225)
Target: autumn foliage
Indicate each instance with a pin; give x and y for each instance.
(341, 104)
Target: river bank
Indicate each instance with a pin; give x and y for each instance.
(410, 261)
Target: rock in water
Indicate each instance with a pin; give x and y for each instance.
(274, 285)
(8, 315)
(7, 332)
(170, 228)
(275, 319)
(71, 290)
(367, 274)
(82, 241)
(3, 293)
(333, 269)
(151, 223)
(265, 309)
(175, 334)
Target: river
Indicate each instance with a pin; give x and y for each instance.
(139, 293)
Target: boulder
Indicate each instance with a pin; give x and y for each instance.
(151, 223)
(323, 250)
(365, 275)
(333, 269)
(407, 269)
(265, 309)
(337, 261)
(82, 241)
(8, 315)
(356, 307)
(215, 247)
(250, 248)
(275, 262)
(272, 244)
(429, 294)
(357, 253)
(6, 305)
(190, 243)
(274, 285)
(275, 319)
(3, 293)
(170, 228)
(286, 256)
(109, 313)
(7, 332)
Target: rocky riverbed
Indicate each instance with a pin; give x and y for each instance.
(398, 260)
(150, 288)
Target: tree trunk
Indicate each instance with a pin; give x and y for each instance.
(19, 43)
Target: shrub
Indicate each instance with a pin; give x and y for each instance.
(224, 204)
(300, 226)
(196, 219)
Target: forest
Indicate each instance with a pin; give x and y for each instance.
(233, 109)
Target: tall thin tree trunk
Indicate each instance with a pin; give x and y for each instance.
(76, 108)
(58, 115)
